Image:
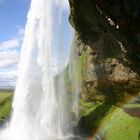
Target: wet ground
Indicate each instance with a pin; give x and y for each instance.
(135, 112)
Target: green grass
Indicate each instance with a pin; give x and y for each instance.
(4, 95)
(109, 121)
(118, 125)
(132, 106)
(5, 104)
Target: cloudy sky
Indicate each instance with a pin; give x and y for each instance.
(13, 15)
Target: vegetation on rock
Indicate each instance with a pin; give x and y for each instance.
(108, 39)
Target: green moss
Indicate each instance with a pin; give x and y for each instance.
(86, 108)
(117, 125)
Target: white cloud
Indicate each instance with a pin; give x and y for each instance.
(9, 44)
(20, 31)
(8, 74)
(15, 41)
(9, 50)
(8, 63)
(9, 59)
(8, 79)
(9, 54)
(8, 68)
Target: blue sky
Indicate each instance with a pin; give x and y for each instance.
(13, 19)
(13, 15)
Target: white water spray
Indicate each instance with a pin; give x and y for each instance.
(40, 112)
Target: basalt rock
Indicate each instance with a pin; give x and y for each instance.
(108, 34)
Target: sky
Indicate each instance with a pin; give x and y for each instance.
(13, 19)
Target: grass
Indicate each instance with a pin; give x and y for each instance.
(114, 125)
(118, 125)
(132, 106)
(5, 104)
(109, 121)
(4, 95)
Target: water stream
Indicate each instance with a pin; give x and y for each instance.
(40, 111)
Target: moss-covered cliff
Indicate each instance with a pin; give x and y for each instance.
(108, 40)
(108, 32)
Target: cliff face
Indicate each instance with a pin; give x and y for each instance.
(108, 43)
(108, 34)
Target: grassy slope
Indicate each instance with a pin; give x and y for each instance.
(5, 104)
(117, 125)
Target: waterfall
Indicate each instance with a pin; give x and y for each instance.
(74, 74)
(40, 110)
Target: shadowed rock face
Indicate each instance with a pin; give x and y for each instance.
(94, 17)
(108, 39)
(109, 30)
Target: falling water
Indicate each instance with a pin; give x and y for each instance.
(75, 78)
(40, 111)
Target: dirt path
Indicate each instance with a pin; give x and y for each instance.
(135, 112)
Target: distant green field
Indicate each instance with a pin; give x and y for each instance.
(5, 104)
(4, 95)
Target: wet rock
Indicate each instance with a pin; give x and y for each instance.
(108, 38)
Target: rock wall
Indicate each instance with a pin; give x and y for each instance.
(108, 38)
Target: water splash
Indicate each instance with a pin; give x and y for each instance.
(40, 112)
(75, 77)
